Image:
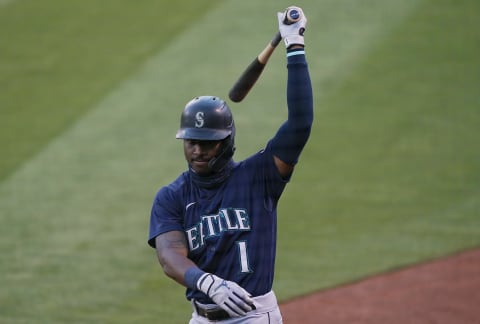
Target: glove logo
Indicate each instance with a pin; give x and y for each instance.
(199, 121)
(223, 284)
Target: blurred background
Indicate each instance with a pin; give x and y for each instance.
(90, 98)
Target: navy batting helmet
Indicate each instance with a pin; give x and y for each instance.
(208, 118)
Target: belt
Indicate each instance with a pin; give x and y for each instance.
(212, 314)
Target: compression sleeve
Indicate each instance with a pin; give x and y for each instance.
(292, 136)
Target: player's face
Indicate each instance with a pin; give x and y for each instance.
(199, 153)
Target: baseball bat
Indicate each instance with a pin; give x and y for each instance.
(250, 75)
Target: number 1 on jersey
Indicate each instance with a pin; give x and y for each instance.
(242, 249)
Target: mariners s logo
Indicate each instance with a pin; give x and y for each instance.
(199, 121)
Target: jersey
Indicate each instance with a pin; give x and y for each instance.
(230, 230)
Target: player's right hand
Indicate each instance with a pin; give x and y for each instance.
(235, 300)
(292, 33)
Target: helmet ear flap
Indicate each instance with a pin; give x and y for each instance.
(227, 149)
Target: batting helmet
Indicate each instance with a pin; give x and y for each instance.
(208, 118)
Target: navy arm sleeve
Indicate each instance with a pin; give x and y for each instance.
(292, 136)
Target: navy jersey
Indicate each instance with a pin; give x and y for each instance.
(230, 230)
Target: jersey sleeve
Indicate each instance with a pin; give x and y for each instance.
(267, 172)
(166, 214)
(292, 136)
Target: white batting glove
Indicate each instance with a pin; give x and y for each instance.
(292, 33)
(235, 300)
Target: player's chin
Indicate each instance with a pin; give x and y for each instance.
(200, 167)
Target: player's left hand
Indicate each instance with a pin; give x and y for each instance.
(235, 300)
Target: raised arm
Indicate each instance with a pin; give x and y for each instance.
(292, 136)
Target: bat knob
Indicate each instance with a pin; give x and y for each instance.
(292, 16)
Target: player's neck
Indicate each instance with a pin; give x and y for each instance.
(212, 180)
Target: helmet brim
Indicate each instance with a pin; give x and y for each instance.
(203, 134)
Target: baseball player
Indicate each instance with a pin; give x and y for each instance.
(214, 227)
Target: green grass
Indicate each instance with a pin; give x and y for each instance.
(398, 171)
(59, 58)
(389, 178)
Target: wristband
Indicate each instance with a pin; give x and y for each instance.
(191, 277)
(297, 51)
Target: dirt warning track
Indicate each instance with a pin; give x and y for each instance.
(444, 291)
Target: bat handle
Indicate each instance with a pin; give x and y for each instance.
(291, 16)
(267, 52)
(248, 78)
(276, 40)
